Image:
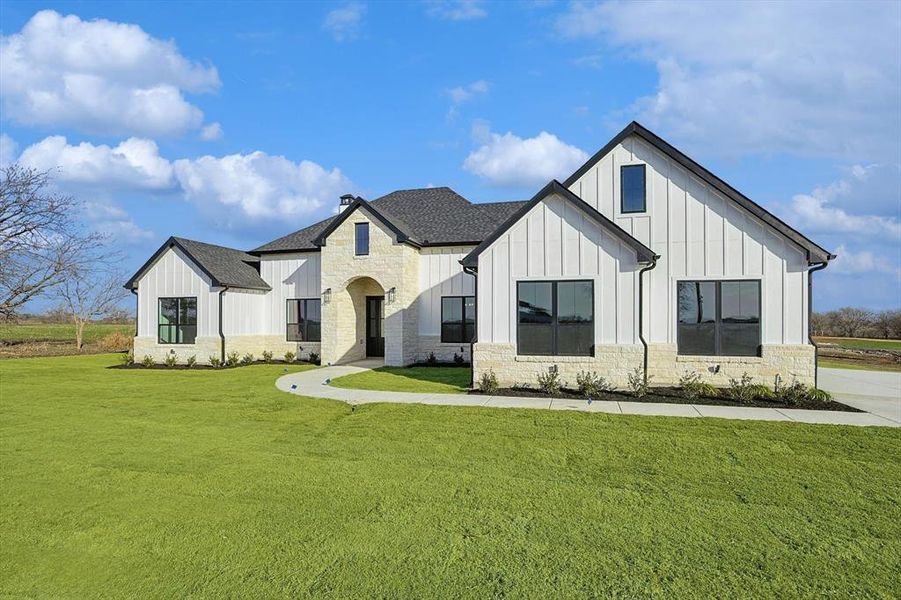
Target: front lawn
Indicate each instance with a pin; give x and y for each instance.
(163, 484)
(427, 380)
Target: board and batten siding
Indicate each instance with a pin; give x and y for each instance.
(699, 234)
(175, 275)
(440, 274)
(291, 276)
(556, 240)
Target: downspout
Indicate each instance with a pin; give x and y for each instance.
(221, 333)
(472, 371)
(816, 351)
(137, 309)
(644, 342)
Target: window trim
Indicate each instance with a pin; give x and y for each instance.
(177, 324)
(287, 322)
(357, 229)
(717, 322)
(554, 323)
(622, 194)
(463, 312)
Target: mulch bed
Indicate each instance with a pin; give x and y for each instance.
(182, 367)
(669, 395)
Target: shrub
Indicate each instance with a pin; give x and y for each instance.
(690, 383)
(215, 361)
(267, 356)
(819, 396)
(171, 359)
(761, 392)
(147, 361)
(192, 360)
(128, 358)
(290, 356)
(232, 360)
(431, 359)
(247, 359)
(488, 382)
(314, 358)
(638, 384)
(591, 385)
(792, 394)
(458, 359)
(549, 382)
(741, 390)
(116, 341)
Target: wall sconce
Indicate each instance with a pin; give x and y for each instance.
(327, 295)
(392, 295)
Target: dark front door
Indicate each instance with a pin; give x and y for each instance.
(375, 326)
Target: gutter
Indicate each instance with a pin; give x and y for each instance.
(137, 309)
(472, 370)
(644, 342)
(816, 351)
(221, 333)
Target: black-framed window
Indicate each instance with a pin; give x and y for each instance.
(718, 318)
(458, 319)
(555, 318)
(633, 189)
(304, 323)
(177, 320)
(361, 239)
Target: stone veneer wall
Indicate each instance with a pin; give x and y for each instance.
(443, 352)
(204, 347)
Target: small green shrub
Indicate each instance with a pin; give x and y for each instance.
(691, 385)
(741, 390)
(638, 384)
(458, 359)
(314, 358)
(171, 359)
(819, 396)
(128, 358)
(232, 360)
(215, 361)
(549, 382)
(762, 392)
(591, 385)
(792, 394)
(247, 359)
(191, 361)
(432, 360)
(267, 356)
(290, 356)
(488, 382)
(147, 361)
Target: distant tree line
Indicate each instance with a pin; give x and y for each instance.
(857, 322)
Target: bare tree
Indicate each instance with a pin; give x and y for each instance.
(40, 239)
(851, 322)
(90, 292)
(887, 324)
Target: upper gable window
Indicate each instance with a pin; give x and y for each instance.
(634, 190)
(361, 239)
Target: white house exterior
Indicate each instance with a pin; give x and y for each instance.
(641, 259)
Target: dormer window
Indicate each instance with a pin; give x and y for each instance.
(633, 189)
(361, 239)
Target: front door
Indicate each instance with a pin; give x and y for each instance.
(375, 326)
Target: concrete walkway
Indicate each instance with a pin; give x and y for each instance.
(314, 383)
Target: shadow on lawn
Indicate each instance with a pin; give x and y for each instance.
(456, 376)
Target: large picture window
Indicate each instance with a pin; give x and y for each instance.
(555, 318)
(633, 189)
(177, 323)
(361, 239)
(458, 319)
(719, 318)
(304, 320)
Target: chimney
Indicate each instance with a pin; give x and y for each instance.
(346, 199)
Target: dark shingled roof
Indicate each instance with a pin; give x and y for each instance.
(427, 216)
(224, 266)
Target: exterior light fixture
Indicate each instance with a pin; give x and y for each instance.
(327, 295)
(392, 295)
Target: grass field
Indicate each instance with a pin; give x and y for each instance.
(861, 343)
(834, 363)
(429, 380)
(59, 332)
(159, 484)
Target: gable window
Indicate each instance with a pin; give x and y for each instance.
(719, 318)
(361, 239)
(633, 190)
(555, 318)
(458, 319)
(304, 320)
(177, 322)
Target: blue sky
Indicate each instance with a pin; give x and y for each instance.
(238, 123)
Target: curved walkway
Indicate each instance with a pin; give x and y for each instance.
(315, 383)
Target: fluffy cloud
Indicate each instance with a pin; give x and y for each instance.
(259, 186)
(7, 149)
(509, 160)
(864, 261)
(134, 164)
(457, 10)
(344, 22)
(817, 79)
(99, 77)
(464, 93)
(116, 223)
(212, 132)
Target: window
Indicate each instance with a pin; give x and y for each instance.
(361, 239)
(304, 321)
(556, 318)
(719, 318)
(458, 319)
(177, 323)
(632, 188)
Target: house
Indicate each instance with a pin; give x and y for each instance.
(641, 259)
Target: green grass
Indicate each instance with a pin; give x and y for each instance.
(160, 484)
(442, 380)
(56, 332)
(830, 363)
(860, 343)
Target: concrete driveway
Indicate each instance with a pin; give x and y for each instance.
(877, 392)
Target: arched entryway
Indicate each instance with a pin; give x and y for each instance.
(360, 312)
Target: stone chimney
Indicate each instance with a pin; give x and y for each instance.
(346, 200)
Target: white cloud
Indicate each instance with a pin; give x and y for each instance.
(464, 93)
(259, 187)
(509, 160)
(816, 79)
(849, 262)
(344, 23)
(8, 148)
(134, 164)
(99, 77)
(457, 10)
(112, 220)
(212, 132)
